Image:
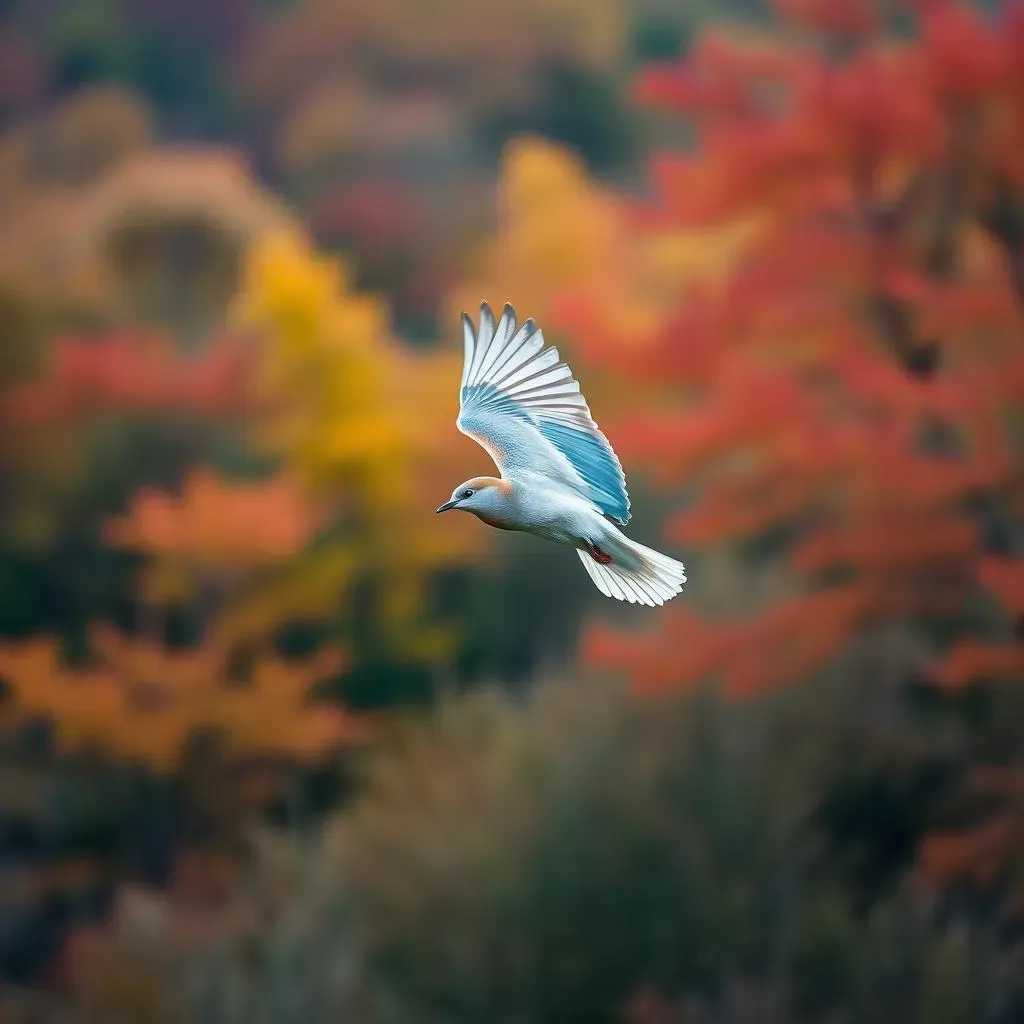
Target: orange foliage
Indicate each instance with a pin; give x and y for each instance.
(362, 422)
(142, 701)
(214, 523)
(744, 655)
(1004, 578)
(987, 852)
(970, 661)
(360, 430)
(976, 855)
(654, 666)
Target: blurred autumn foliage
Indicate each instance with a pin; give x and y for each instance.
(307, 369)
(142, 702)
(860, 367)
(853, 388)
(239, 778)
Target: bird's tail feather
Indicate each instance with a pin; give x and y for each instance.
(635, 573)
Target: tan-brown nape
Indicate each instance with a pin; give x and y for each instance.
(480, 483)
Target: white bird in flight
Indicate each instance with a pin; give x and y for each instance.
(560, 478)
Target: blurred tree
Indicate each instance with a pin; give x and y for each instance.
(347, 95)
(854, 194)
(357, 422)
(577, 856)
(130, 372)
(577, 107)
(561, 235)
(143, 702)
(563, 241)
(229, 592)
(102, 233)
(843, 409)
(495, 46)
(366, 425)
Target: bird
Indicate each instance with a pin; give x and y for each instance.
(559, 478)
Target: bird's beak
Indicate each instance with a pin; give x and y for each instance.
(447, 505)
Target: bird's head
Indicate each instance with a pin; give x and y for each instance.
(484, 496)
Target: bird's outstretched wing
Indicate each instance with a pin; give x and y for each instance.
(522, 405)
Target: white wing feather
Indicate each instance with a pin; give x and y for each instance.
(522, 405)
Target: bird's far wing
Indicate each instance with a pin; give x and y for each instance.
(522, 405)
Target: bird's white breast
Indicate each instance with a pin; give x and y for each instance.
(552, 512)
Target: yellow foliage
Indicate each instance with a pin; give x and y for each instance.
(366, 424)
(556, 229)
(323, 373)
(560, 231)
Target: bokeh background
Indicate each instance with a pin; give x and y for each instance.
(278, 744)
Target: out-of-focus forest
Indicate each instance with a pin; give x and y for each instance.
(278, 744)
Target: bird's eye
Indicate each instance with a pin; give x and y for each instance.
(467, 493)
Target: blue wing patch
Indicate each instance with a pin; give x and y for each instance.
(487, 396)
(592, 457)
(511, 375)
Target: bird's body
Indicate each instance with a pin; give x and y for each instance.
(560, 478)
(528, 503)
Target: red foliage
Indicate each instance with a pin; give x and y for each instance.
(373, 214)
(853, 391)
(654, 664)
(1004, 579)
(975, 855)
(970, 661)
(854, 382)
(986, 853)
(133, 372)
